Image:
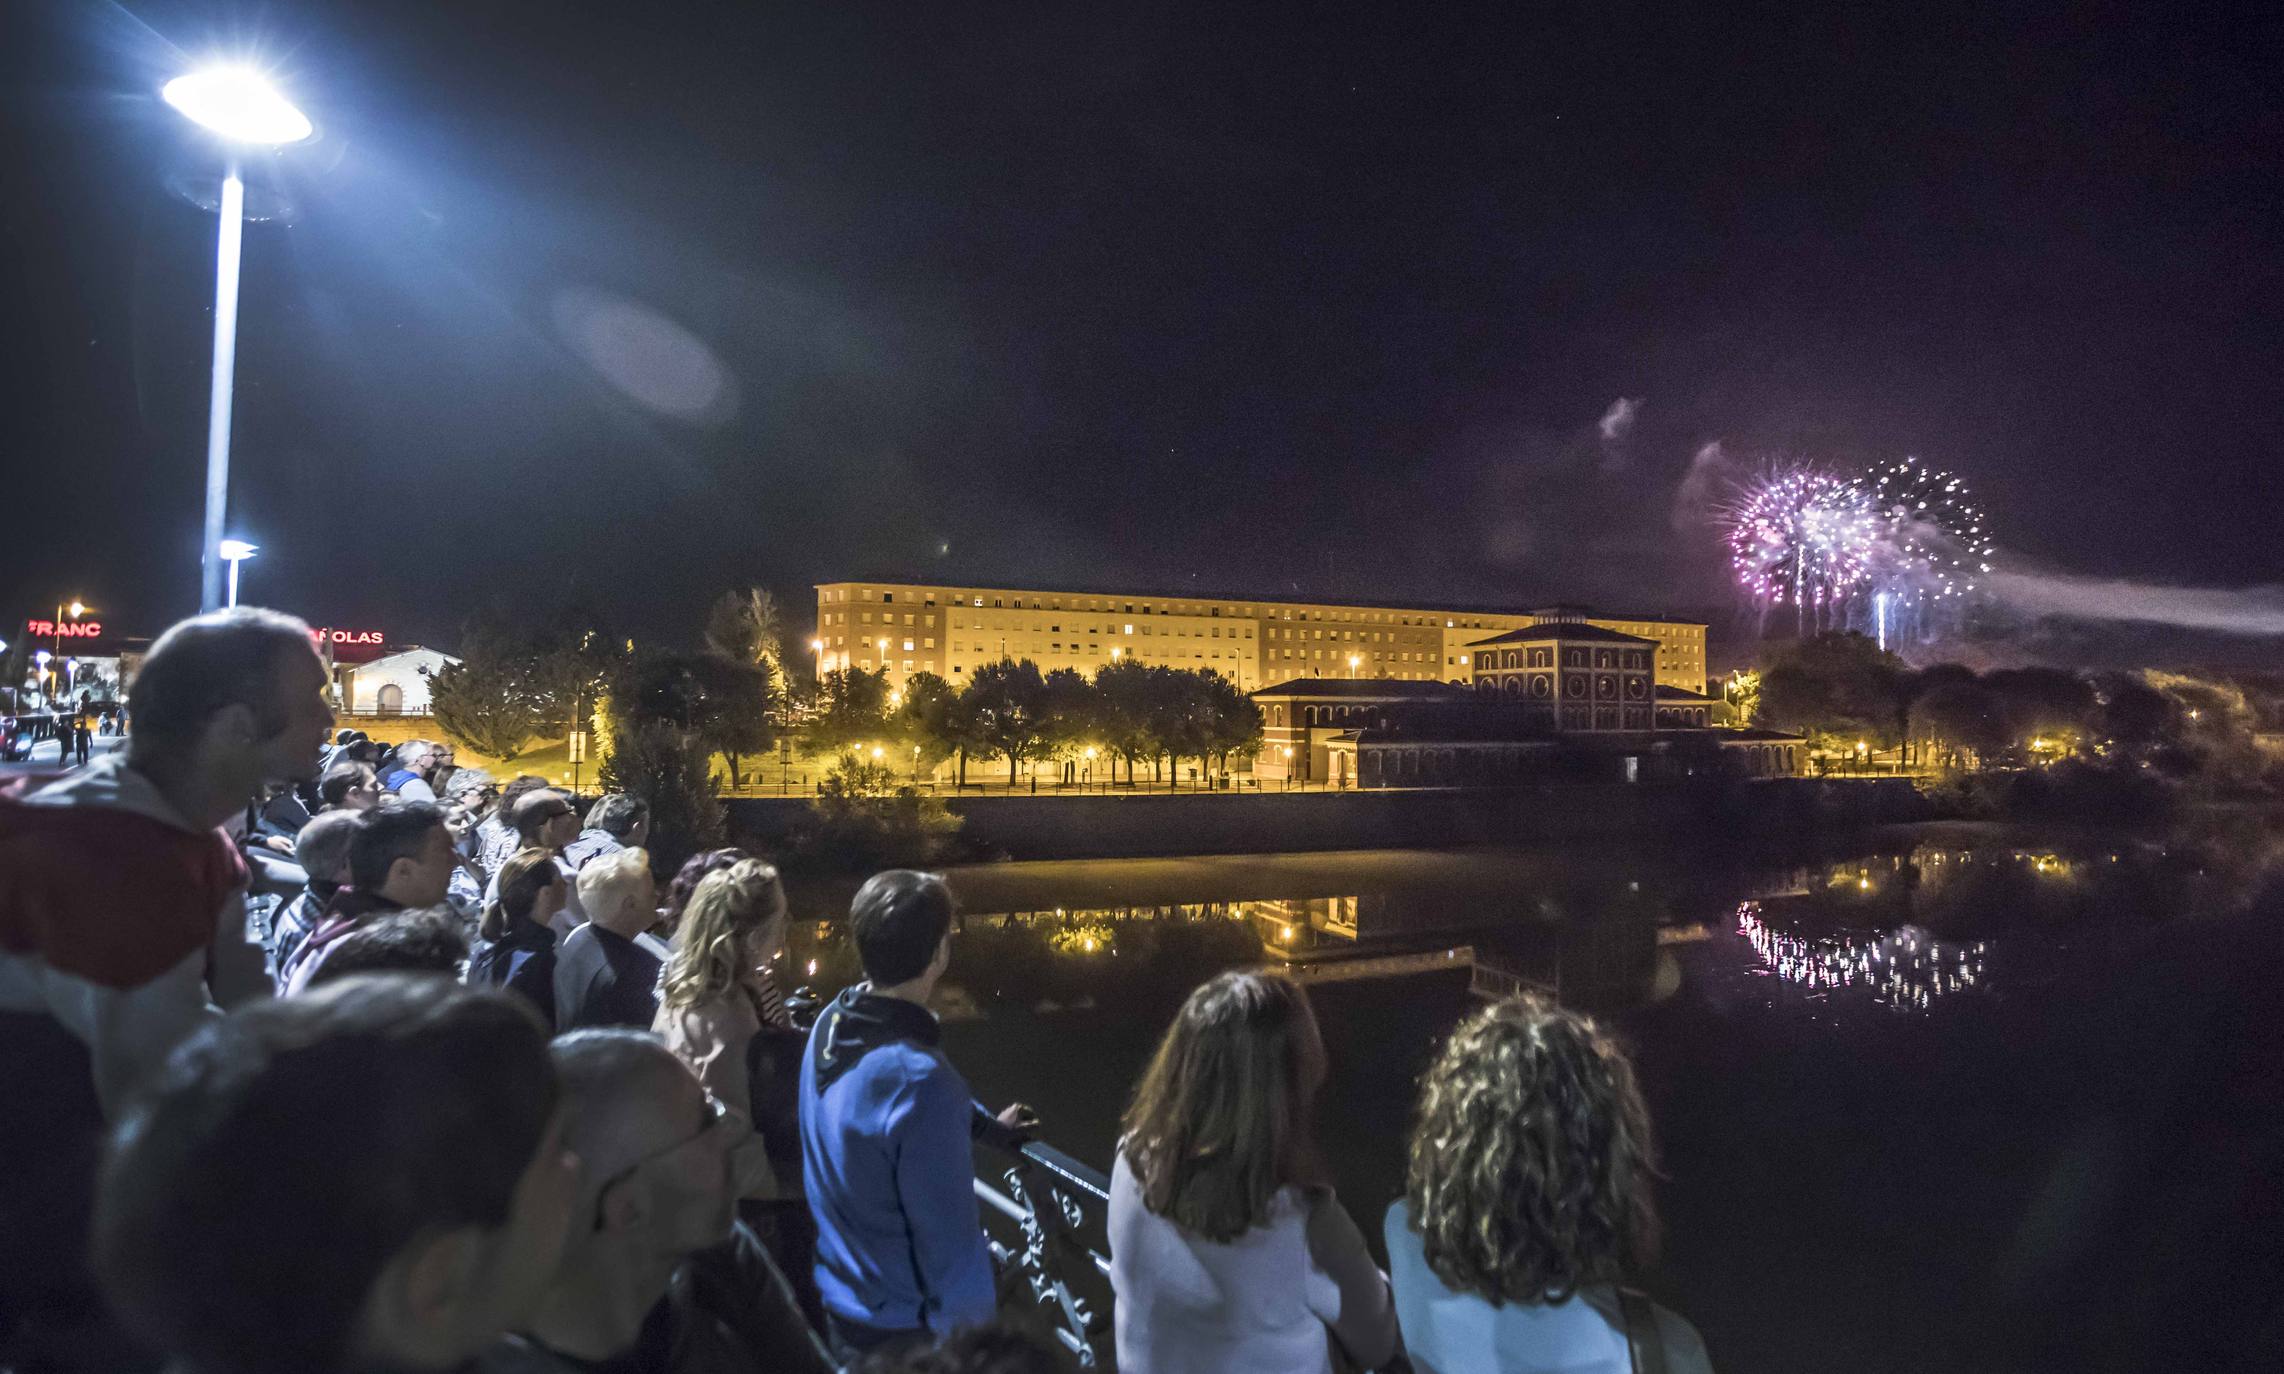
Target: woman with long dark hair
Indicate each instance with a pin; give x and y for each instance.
(1527, 1205)
(518, 945)
(1228, 1249)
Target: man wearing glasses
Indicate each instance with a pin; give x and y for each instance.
(657, 1274)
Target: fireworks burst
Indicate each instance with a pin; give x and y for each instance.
(1936, 541)
(1805, 538)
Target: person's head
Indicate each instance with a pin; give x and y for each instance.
(618, 892)
(693, 872)
(995, 1347)
(348, 787)
(546, 818)
(733, 926)
(403, 854)
(427, 941)
(472, 788)
(623, 817)
(417, 756)
(532, 888)
(1530, 1166)
(902, 924)
(322, 847)
(655, 1148)
(520, 786)
(1220, 1120)
(236, 696)
(373, 1174)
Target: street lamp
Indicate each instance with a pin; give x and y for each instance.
(1353, 660)
(239, 106)
(234, 552)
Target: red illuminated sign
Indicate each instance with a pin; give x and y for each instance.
(372, 637)
(69, 629)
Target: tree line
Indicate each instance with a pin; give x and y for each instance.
(1841, 688)
(1011, 711)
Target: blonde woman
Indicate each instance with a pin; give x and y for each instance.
(713, 997)
(720, 1013)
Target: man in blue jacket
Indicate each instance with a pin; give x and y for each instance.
(886, 1126)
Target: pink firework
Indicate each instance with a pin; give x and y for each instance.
(1802, 537)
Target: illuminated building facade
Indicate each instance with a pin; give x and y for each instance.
(950, 628)
(1570, 675)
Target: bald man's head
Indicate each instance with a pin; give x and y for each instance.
(626, 1097)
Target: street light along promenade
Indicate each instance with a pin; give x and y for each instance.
(240, 106)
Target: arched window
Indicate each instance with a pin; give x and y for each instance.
(390, 699)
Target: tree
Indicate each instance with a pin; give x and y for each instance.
(2043, 701)
(852, 708)
(1069, 704)
(509, 688)
(1006, 703)
(746, 627)
(2132, 715)
(1834, 687)
(484, 702)
(672, 769)
(1228, 721)
(927, 726)
(1122, 691)
(1960, 718)
(725, 705)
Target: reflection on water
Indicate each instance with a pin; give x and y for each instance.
(1904, 928)
(1836, 1166)
(1903, 968)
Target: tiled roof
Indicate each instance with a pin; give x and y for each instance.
(1567, 630)
(1364, 688)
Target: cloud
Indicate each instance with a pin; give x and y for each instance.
(1618, 420)
(1694, 499)
(2254, 611)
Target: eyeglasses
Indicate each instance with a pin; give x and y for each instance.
(709, 1121)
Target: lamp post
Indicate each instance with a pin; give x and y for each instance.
(77, 608)
(1353, 660)
(239, 106)
(234, 552)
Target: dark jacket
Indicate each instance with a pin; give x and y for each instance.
(727, 1310)
(603, 978)
(523, 961)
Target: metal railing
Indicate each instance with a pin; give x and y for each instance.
(1054, 1212)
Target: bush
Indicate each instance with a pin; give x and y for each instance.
(861, 819)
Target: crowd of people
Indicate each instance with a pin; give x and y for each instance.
(326, 1056)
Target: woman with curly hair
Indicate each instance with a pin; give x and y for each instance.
(710, 999)
(719, 1011)
(1228, 1250)
(1527, 1204)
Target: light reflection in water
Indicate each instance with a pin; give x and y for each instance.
(1904, 968)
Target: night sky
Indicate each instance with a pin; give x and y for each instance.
(624, 304)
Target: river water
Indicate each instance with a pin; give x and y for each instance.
(1949, 1098)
